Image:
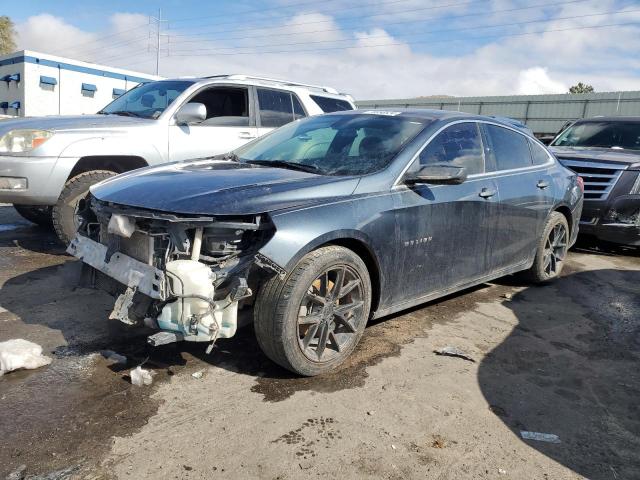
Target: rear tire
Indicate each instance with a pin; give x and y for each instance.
(38, 214)
(551, 250)
(64, 211)
(311, 321)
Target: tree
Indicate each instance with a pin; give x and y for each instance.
(7, 35)
(581, 88)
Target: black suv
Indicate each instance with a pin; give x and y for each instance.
(605, 152)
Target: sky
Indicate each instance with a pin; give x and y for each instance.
(373, 49)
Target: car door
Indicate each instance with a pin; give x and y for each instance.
(444, 232)
(526, 193)
(276, 108)
(230, 123)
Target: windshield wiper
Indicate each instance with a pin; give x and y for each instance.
(285, 164)
(125, 113)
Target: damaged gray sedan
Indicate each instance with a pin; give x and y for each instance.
(324, 224)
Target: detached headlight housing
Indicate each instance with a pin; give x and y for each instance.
(21, 141)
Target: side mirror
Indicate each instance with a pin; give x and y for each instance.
(191, 113)
(437, 174)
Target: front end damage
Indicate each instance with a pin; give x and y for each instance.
(186, 275)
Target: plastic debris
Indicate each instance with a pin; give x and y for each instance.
(540, 437)
(508, 296)
(502, 471)
(453, 352)
(197, 374)
(140, 376)
(19, 353)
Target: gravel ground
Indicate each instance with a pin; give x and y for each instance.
(559, 359)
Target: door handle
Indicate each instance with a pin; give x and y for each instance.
(487, 193)
(542, 184)
(246, 135)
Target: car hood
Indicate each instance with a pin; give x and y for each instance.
(596, 154)
(218, 187)
(58, 123)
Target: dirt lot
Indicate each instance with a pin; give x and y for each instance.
(559, 359)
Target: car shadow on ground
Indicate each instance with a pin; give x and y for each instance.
(570, 368)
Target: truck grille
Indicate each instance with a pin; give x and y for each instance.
(599, 178)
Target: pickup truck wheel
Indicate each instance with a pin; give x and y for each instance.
(311, 321)
(551, 250)
(65, 221)
(38, 214)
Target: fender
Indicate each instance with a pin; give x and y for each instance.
(114, 146)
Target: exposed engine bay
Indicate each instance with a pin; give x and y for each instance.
(186, 275)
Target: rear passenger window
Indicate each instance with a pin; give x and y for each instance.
(510, 149)
(538, 153)
(278, 108)
(458, 145)
(329, 105)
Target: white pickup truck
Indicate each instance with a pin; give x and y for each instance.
(48, 163)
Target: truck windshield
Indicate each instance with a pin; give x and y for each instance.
(334, 144)
(147, 100)
(616, 134)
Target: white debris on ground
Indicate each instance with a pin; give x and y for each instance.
(18, 353)
(198, 374)
(140, 376)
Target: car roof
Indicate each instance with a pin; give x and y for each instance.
(241, 79)
(429, 114)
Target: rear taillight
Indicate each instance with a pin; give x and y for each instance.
(581, 184)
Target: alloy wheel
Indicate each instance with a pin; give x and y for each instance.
(330, 313)
(555, 250)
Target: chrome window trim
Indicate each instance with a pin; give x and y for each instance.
(511, 171)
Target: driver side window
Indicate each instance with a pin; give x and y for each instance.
(458, 145)
(226, 106)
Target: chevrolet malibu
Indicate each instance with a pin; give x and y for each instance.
(324, 224)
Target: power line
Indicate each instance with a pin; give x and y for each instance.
(285, 7)
(404, 22)
(414, 10)
(358, 47)
(100, 39)
(426, 32)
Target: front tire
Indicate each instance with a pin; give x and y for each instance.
(65, 222)
(311, 321)
(551, 250)
(38, 214)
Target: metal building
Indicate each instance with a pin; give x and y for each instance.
(33, 84)
(544, 114)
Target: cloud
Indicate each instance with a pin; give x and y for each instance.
(536, 80)
(373, 62)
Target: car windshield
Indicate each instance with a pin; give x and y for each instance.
(618, 134)
(147, 100)
(335, 144)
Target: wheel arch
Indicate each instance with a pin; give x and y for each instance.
(114, 163)
(566, 211)
(358, 243)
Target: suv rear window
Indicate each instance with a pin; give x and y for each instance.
(329, 105)
(278, 108)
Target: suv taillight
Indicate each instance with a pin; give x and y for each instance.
(581, 183)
